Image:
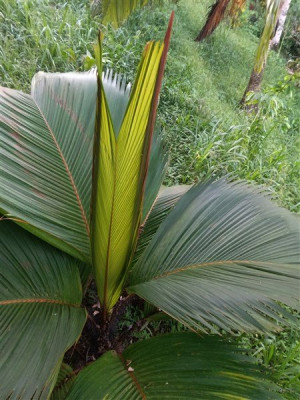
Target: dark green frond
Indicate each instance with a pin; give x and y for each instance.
(40, 313)
(178, 366)
(225, 255)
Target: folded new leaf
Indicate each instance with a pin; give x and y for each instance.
(121, 157)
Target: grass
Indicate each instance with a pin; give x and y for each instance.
(42, 35)
(206, 131)
(199, 113)
(280, 356)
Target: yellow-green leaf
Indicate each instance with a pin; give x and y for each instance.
(118, 179)
(116, 11)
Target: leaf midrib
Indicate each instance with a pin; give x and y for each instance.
(37, 300)
(105, 289)
(133, 377)
(85, 221)
(211, 263)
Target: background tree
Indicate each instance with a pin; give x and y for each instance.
(215, 16)
(272, 11)
(284, 8)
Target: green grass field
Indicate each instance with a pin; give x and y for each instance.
(204, 128)
(199, 114)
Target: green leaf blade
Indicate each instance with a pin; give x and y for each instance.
(119, 170)
(165, 201)
(40, 295)
(177, 366)
(64, 382)
(115, 11)
(224, 256)
(47, 158)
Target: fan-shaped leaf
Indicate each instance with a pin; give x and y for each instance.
(164, 203)
(45, 168)
(223, 256)
(179, 366)
(156, 172)
(40, 314)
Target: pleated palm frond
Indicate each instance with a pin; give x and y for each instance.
(272, 11)
(157, 169)
(40, 313)
(177, 366)
(116, 11)
(46, 158)
(215, 16)
(224, 257)
(117, 92)
(166, 200)
(121, 162)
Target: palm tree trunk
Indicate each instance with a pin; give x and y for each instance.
(273, 7)
(215, 16)
(284, 8)
(254, 85)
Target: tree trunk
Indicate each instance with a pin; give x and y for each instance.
(284, 8)
(215, 16)
(273, 7)
(253, 86)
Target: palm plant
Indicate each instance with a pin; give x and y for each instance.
(218, 257)
(115, 11)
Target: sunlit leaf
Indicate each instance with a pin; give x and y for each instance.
(121, 160)
(116, 11)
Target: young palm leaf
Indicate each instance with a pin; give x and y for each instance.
(40, 313)
(121, 156)
(177, 366)
(116, 11)
(224, 256)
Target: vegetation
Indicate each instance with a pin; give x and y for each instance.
(272, 15)
(208, 136)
